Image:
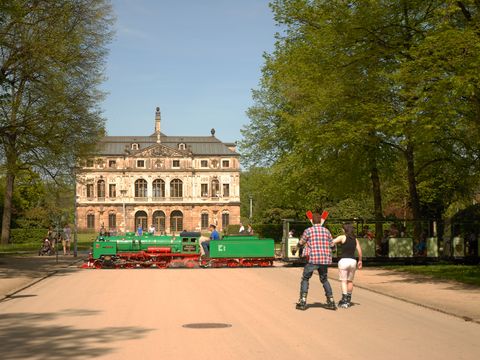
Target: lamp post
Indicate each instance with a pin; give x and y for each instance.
(75, 221)
(124, 193)
(251, 206)
(75, 215)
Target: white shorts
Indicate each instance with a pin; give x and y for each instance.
(346, 269)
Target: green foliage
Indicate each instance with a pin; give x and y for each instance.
(471, 213)
(24, 236)
(51, 65)
(272, 231)
(365, 89)
(232, 229)
(40, 203)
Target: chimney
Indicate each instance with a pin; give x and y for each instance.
(158, 118)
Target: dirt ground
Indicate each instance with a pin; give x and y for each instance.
(230, 314)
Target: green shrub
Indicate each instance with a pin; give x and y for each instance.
(274, 231)
(232, 229)
(24, 236)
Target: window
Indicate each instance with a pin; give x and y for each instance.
(176, 163)
(141, 188)
(225, 163)
(176, 188)
(140, 163)
(204, 190)
(225, 220)
(90, 221)
(90, 163)
(135, 146)
(112, 190)
(181, 146)
(158, 188)
(159, 221)
(215, 188)
(141, 220)
(101, 189)
(90, 191)
(204, 163)
(112, 163)
(204, 221)
(112, 221)
(176, 221)
(226, 190)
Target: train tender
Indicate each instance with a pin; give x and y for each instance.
(183, 250)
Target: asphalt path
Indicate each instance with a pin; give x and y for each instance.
(218, 314)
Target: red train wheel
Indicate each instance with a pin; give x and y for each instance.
(191, 264)
(233, 264)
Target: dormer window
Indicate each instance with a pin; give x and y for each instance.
(181, 146)
(135, 146)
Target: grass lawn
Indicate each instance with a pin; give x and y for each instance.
(467, 274)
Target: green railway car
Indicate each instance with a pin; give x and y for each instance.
(242, 248)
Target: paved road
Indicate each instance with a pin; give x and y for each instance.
(127, 314)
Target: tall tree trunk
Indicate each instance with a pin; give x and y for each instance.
(413, 193)
(7, 207)
(377, 201)
(10, 183)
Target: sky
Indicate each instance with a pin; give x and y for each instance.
(198, 60)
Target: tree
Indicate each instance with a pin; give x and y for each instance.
(51, 63)
(357, 90)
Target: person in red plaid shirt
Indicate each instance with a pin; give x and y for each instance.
(317, 241)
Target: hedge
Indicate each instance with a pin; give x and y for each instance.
(24, 236)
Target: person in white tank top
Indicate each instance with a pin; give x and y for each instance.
(348, 264)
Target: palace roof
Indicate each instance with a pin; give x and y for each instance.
(198, 145)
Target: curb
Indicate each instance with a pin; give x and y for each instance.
(465, 318)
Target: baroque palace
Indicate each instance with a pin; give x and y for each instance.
(173, 182)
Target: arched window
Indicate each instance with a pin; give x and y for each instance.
(176, 221)
(158, 188)
(141, 188)
(176, 188)
(215, 188)
(159, 221)
(101, 189)
(141, 219)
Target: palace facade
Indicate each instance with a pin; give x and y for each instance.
(173, 182)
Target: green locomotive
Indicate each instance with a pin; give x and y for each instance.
(164, 251)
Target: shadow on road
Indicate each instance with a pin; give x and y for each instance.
(33, 267)
(30, 336)
(324, 306)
